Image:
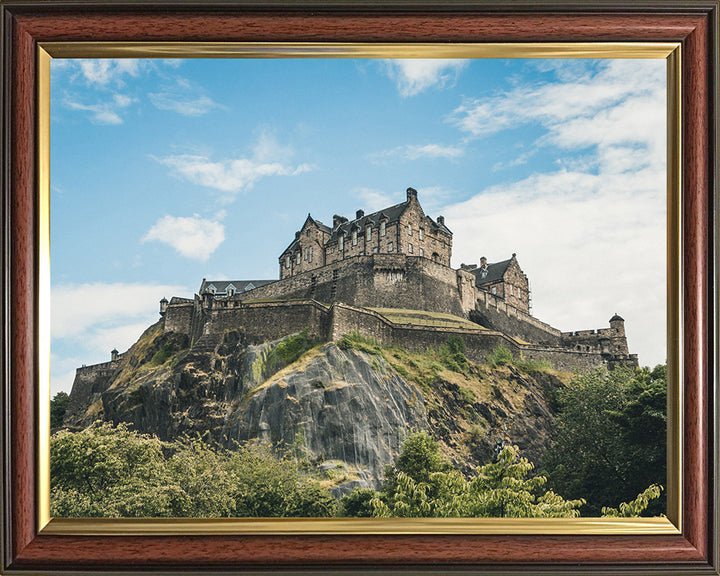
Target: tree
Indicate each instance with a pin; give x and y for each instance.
(58, 406)
(610, 438)
(423, 484)
(115, 472)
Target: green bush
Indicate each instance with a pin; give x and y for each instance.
(500, 357)
(356, 341)
(452, 355)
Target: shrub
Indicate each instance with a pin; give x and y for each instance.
(500, 357)
(356, 341)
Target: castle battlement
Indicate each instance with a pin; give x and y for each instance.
(396, 258)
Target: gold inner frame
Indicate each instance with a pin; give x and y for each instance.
(286, 526)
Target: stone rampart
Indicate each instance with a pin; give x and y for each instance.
(89, 384)
(494, 313)
(263, 322)
(378, 281)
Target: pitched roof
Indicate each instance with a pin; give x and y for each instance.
(392, 214)
(495, 272)
(221, 286)
(296, 241)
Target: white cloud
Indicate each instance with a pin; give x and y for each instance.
(107, 112)
(419, 151)
(235, 174)
(591, 236)
(183, 97)
(417, 75)
(193, 237)
(185, 106)
(89, 320)
(79, 308)
(103, 71)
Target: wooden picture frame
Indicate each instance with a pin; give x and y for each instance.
(28, 548)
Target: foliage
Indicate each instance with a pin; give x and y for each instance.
(533, 366)
(356, 341)
(114, 472)
(423, 484)
(637, 506)
(358, 503)
(610, 438)
(452, 355)
(287, 351)
(500, 356)
(58, 406)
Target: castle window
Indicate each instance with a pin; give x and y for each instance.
(354, 238)
(410, 248)
(310, 254)
(409, 229)
(382, 228)
(422, 252)
(494, 290)
(297, 258)
(368, 233)
(375, 250)
(519, 294)
(287, 261)
(341, 242)
(390, 246)
(511, 290)
(420, 233)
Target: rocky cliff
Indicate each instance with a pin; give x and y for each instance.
(348, 407)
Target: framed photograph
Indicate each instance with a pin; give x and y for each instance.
(462, 150)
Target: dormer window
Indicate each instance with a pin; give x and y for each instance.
(212, 289)
(249, 287)
(230, 290)
(368, 233)
(382, 228)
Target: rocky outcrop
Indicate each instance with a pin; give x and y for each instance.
(341, 405)
(332, 405)
(346, 410)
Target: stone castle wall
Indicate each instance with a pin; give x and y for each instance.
(494, 312)
(272, 320)
(90, 382)
(378, 281)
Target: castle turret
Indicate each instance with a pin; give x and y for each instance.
(618, 324)
(163, 306)
(114, 355)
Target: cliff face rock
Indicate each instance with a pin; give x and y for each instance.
(346, 409)
(332, 405)
(340, 405)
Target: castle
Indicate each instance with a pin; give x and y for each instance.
(387, 275)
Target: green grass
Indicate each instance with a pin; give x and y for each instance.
(424, 318)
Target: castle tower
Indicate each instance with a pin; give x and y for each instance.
(617, 323)
(114, 355)
(163, 306)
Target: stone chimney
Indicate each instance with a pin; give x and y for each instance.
(297, 234)
(337, 220)
(441, 220)
(359, 214)
(411, 194)
(483, 262)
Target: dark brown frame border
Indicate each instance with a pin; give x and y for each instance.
(24, 24)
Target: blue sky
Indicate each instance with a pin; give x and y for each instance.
(165, 172)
